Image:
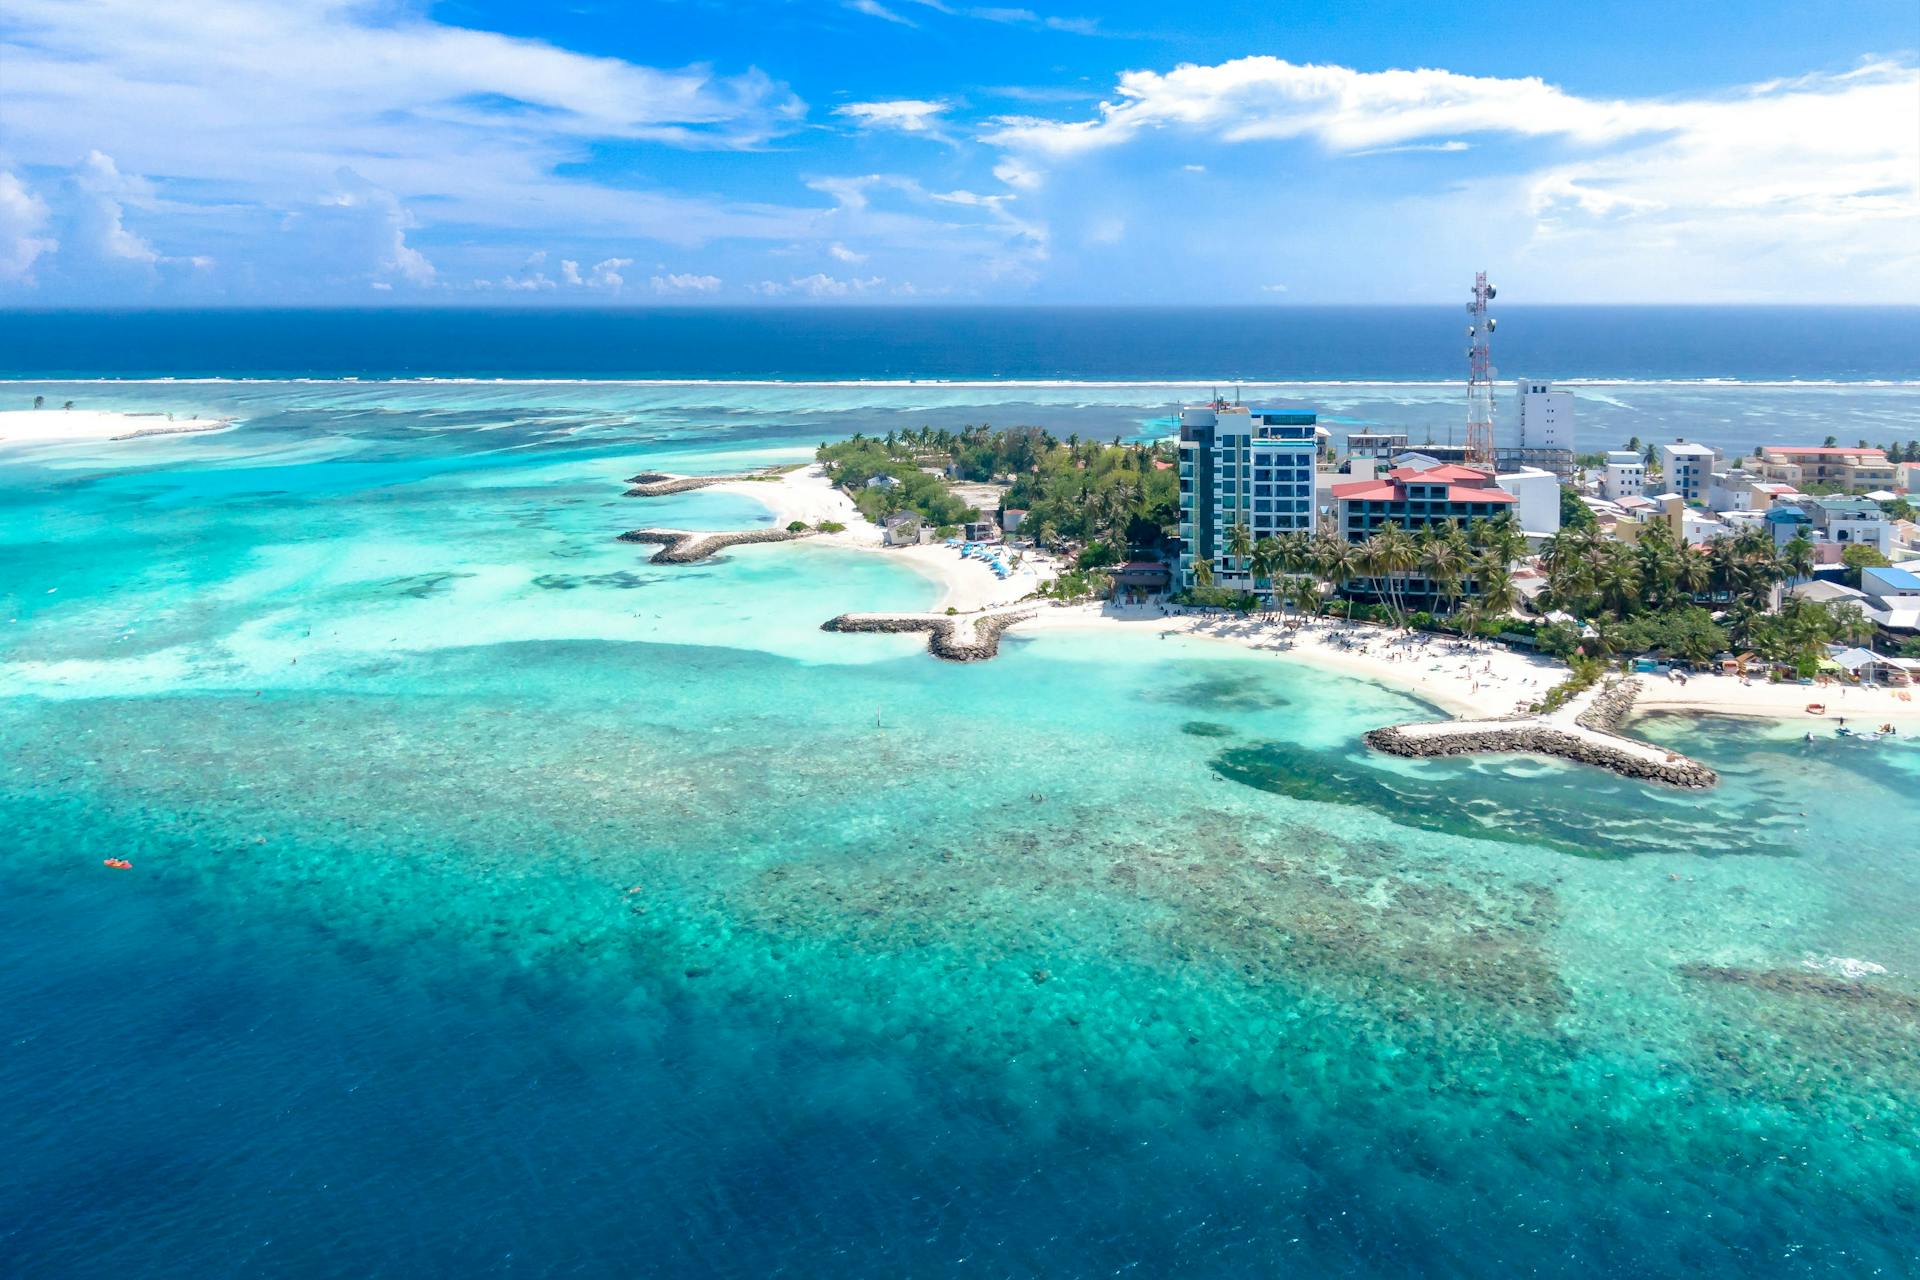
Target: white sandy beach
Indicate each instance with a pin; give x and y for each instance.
(1861, 708)
(965, 585)
(58, 426)
(1487, 680)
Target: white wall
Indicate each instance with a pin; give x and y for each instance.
(1538, 510)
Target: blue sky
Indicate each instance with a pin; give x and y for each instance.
(879, 151)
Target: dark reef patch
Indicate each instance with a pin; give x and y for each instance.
(1219, 691)
(422, 585)
(1615, 821)
(620, 581)
(1206, 729)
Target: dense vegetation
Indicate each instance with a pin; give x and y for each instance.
(1648, 597)
(1111, 499)
(853, 463)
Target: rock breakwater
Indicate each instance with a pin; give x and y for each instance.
(954, 637)
(659, 484)
(686, 546)
(1583, 731)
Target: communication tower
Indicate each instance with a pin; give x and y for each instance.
(1480, 375)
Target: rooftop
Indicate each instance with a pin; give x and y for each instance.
(1687, 447)
(1395, 490)
(1824, 451)
(1448, 471)
(1853, 506)
(1898, 579)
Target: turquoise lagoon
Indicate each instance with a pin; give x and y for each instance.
(505, 903)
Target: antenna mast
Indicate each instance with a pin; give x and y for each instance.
(1480, 375)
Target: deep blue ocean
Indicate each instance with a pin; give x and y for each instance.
(1130, 344)
(505, 904)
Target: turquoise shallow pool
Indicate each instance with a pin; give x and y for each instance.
(503, 902)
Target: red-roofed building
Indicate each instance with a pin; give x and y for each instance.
(1414, 499)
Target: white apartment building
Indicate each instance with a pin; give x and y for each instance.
(1625, 476)
(1688, 468)
(1546, 416)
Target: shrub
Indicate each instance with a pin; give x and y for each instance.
(830, 526)
(797, 526)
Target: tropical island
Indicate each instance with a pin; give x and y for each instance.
(1458, 599)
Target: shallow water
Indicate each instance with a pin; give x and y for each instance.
(502, 902)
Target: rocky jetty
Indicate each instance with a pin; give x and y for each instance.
(686, 546)
(955, 637)
(1584, 731)
(658, 484)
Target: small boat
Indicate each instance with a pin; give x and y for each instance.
(118, 864)
(1816, 708)
(1844, 732)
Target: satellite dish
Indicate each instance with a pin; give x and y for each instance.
(1492, 324)
(1492, 293)
(1471, 331)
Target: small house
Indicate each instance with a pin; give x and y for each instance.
(1141, 578)
(903, 529)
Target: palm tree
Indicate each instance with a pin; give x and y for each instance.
(1305, 593)
(1504, 537)
(1240, 544)
(1202, 573)
(1336, 560)
(1618, 581)
(1497, 593)
(1399, 555)
(1693, 574)
(1443, 563)
(1266, 564)
(1795, 560)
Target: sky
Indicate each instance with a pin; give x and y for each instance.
(774, 152)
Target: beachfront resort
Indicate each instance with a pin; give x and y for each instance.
(1531, 581)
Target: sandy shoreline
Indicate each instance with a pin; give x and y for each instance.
(965, 585)
(1486, 680)
(58, 426)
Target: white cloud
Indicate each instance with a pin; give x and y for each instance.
(1273, 288)
(359, 227)
(1018, 174)
(251, 107)
(96, 227)
(898, 115)
(840, 253)
(1758, 192)
(874, 9)
(679, 282)
(818, 285)
(23, 215)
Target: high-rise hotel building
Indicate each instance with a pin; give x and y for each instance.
(1242, 466)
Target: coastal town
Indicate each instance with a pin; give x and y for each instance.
(1500, 582)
